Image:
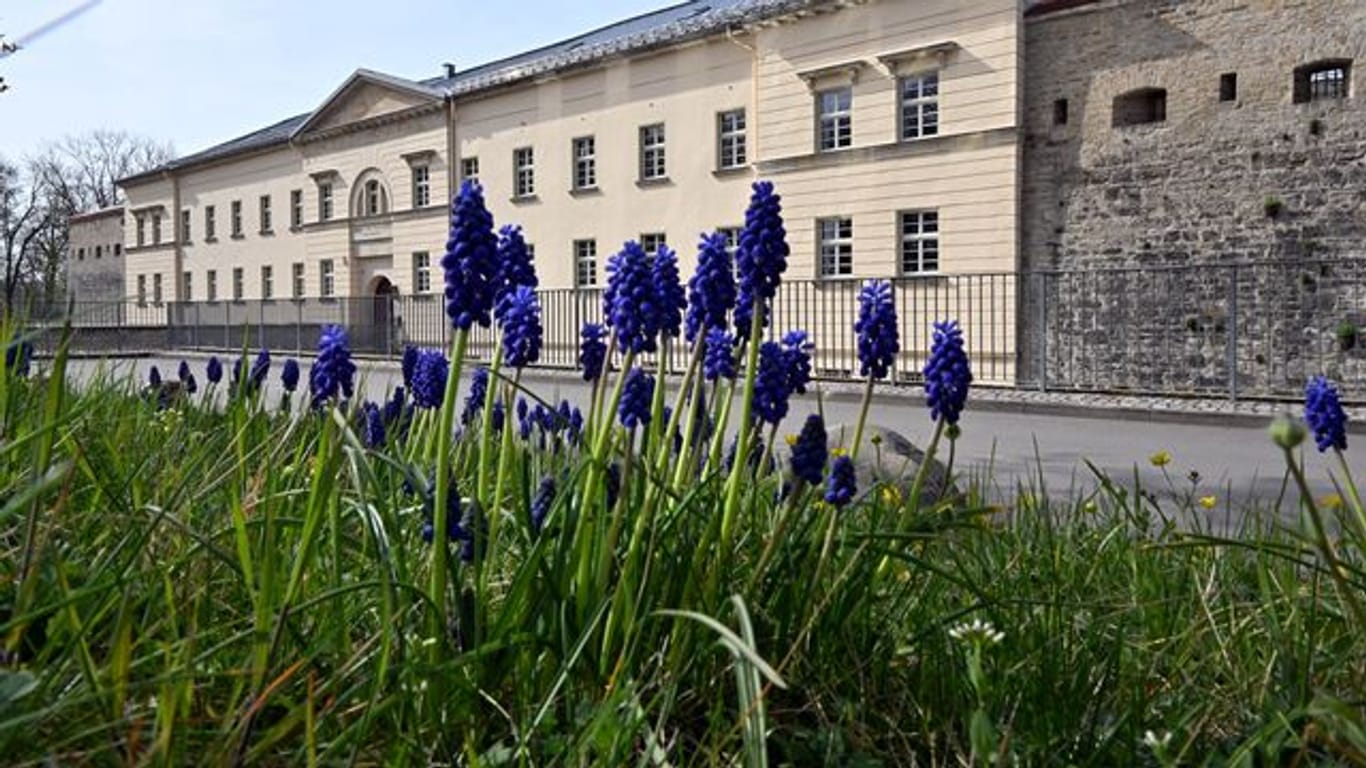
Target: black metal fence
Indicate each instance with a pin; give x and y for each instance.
(1235, 330)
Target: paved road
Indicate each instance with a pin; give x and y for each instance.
(1235, 462)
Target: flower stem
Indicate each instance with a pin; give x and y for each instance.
(1354, 495)
(862, 419)
(756, 327)
(1325, 544)
(440, 553)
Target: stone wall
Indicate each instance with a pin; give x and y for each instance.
(94, 267)
(1254, 178)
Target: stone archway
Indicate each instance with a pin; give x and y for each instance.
(381, 294)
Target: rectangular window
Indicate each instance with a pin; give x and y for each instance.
(187, 287)
(236, 218)
(99, 251)
(211, 285)
(1322, 80)
(469, 168)
(835, 119)
(920, 106)
(80, 254)
(325, 201)
(210, 225)
(732, 235)
(298, 275)
(238, 283)
(326, 285)
(835, 238)
(524, 171)
(142, 230)
(652, 241)
(1228, 86)
(1060, 112)
(585, 263)
(118, 249)
(652, 165)
(266, 227)
(422, 272)
(142, 290)
(267, 282)
(422, 186)
(585, 163)
(156, 289)
(185, 225)
(156, 229)
(296, 208)
(730, 140)
(919, 242)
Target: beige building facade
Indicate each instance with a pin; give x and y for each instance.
(94, 270)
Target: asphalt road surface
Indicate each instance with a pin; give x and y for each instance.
(1236, 463)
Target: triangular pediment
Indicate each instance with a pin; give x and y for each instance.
(364, 96)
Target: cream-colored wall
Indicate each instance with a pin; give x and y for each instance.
(364, 100)
(969, 173)
(682, 88)
(150, 259)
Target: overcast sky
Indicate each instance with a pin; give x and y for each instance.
(199, 72)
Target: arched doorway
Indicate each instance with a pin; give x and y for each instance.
(383, 332)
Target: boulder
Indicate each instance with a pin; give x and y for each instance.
(888, 458)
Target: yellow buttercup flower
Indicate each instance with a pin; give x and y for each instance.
(1160, 459)
(791, 439)
(1332, 501)
(891, 496)
(838, 452)
(1208, 502)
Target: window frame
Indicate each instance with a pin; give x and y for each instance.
(187, 285)
(211, 285)
(327, 278)
(657, 240)
(235, 214)
(239, 283)
(732, 143)
(326, 201)
(840, 120)
(298, 277)
(654, 160)
(156, 289)
(296, 208)
(267, 282)
(925, 108)
(523, 173)
(185, 216)
(920, 238)
(585, 254)
(469, 168)
(842, 244)
(142, 290)
(264, 215)
(210, 224)
(1139, 107)
(141, 229)
(422, 272)
(584, 174)
(156, 228)
(1309, 88)
(422, 185)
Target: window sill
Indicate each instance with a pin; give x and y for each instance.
(210, 239)
(239, 237)
(657, 181)
(927, 137)
(266, 233)
(837, 278)
(585, 191)
(733, 170)
(524, 199)
(936, 275)
(833, 150)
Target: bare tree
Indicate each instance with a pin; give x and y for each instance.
(23, 218)
(82, 171)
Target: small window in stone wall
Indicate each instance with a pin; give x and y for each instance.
(1060, 112)
(1140, 107)
(1322, 80)
(1228, 86)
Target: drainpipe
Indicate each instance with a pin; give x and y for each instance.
(752, 111)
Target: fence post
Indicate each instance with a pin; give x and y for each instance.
(1233, 333)
(1043, 330)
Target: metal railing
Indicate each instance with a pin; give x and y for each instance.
(1229, 330)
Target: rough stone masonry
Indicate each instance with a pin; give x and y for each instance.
(1167, 141)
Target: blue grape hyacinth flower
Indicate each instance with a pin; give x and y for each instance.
(260, 368)
(809, 452)
(670, 299)
(154, 377)
(876, 329)
(1324, 414)
(540, 505)
(372, 430)
(772, 384)
(629, 301)
(430, 371)
(183, 371)
(592, 351)
(333, 373)
(761, 257)
(213, 370)
(471, 260)
(797, 357)
(718, 360)
(948, 374)
(289, 375)
(187, 378)
(521, 322)
(843, 482)
(474, 402)
(711, 289)
(634, 408)
(409, 364)
(515, 267)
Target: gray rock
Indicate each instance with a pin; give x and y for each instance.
(887, 457)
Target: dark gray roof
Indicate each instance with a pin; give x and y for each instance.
(678, 23)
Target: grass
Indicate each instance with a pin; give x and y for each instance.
(237, 583)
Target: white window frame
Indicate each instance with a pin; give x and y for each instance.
(296, 208)
(469, 168)
(185, 225)
(422, 186)
(236, 218)
(585, 153)
(142, 230)
(919, 236)
(835, 247)
(422, 272)
(327, 278)
(156, 289)
(325, 202)
(156, 229)
(142, 290)
(586, 263)
(652, 241)
(524, 172)
(835, 119)
(732, 235)
(267, 281)
(210, 224)
(731, 144)
(653, 153)
(297, 276)
(918, 97)
(265, 215)
(211, 285)
(239, 283)
(187, 285)
(374, 200)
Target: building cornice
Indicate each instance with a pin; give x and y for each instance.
(360, 126)
(933, 146)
